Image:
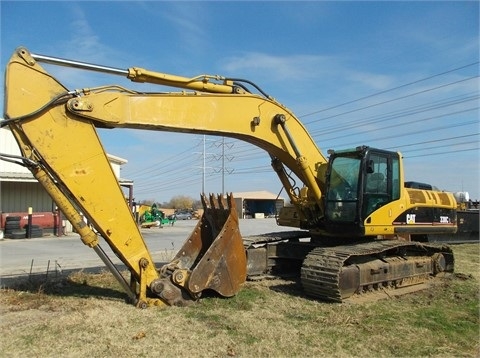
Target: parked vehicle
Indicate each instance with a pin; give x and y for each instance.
(183, 215)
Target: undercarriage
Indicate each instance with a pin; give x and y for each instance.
(346, 272)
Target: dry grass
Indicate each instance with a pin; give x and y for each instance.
(85, 315)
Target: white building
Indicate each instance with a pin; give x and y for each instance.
(19, 190)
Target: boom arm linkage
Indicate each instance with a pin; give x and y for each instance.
(55, 128)
(228, 111)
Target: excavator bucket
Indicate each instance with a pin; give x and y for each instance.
(213, 257)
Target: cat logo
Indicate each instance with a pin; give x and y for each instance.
(410, 218)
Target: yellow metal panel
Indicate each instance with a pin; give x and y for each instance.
(230, 115)
(71, 150)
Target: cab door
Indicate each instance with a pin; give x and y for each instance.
(381, 183)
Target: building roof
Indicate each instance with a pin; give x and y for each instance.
(17, 177)
(117, 160)
(28, 177)
(263, 194)
(126, 182)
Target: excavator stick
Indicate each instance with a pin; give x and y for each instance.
(212, 258)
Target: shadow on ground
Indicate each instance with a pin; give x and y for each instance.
(82, 282)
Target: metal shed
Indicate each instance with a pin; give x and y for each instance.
(257, 204)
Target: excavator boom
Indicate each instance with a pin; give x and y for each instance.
(66, 156)
(216, 111)
(56, 132)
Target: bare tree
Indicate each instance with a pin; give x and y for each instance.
(181, 202)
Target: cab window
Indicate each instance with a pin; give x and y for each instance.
(382, 181)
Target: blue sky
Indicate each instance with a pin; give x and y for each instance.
(394, 75)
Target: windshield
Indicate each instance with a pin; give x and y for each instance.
(343, 190)
(344, 178)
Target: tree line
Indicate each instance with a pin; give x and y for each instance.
(178, 202)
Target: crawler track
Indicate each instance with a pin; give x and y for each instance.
(337, 273)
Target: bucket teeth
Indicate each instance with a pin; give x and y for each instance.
(204, 200)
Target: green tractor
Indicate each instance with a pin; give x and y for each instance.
(155, 217)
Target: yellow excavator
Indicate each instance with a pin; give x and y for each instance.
(359, 222)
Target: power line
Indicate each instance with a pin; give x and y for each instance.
(390, 90)
(414, 121)
(394, 99)
(429, 130)
(441, 153)
(158, 158)
(433, 141)
(410, 111)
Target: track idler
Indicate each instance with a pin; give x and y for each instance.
(212, 258)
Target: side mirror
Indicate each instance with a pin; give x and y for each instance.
(370, 167)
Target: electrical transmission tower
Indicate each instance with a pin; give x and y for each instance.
(223, 157)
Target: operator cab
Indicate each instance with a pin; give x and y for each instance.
(359, 181)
